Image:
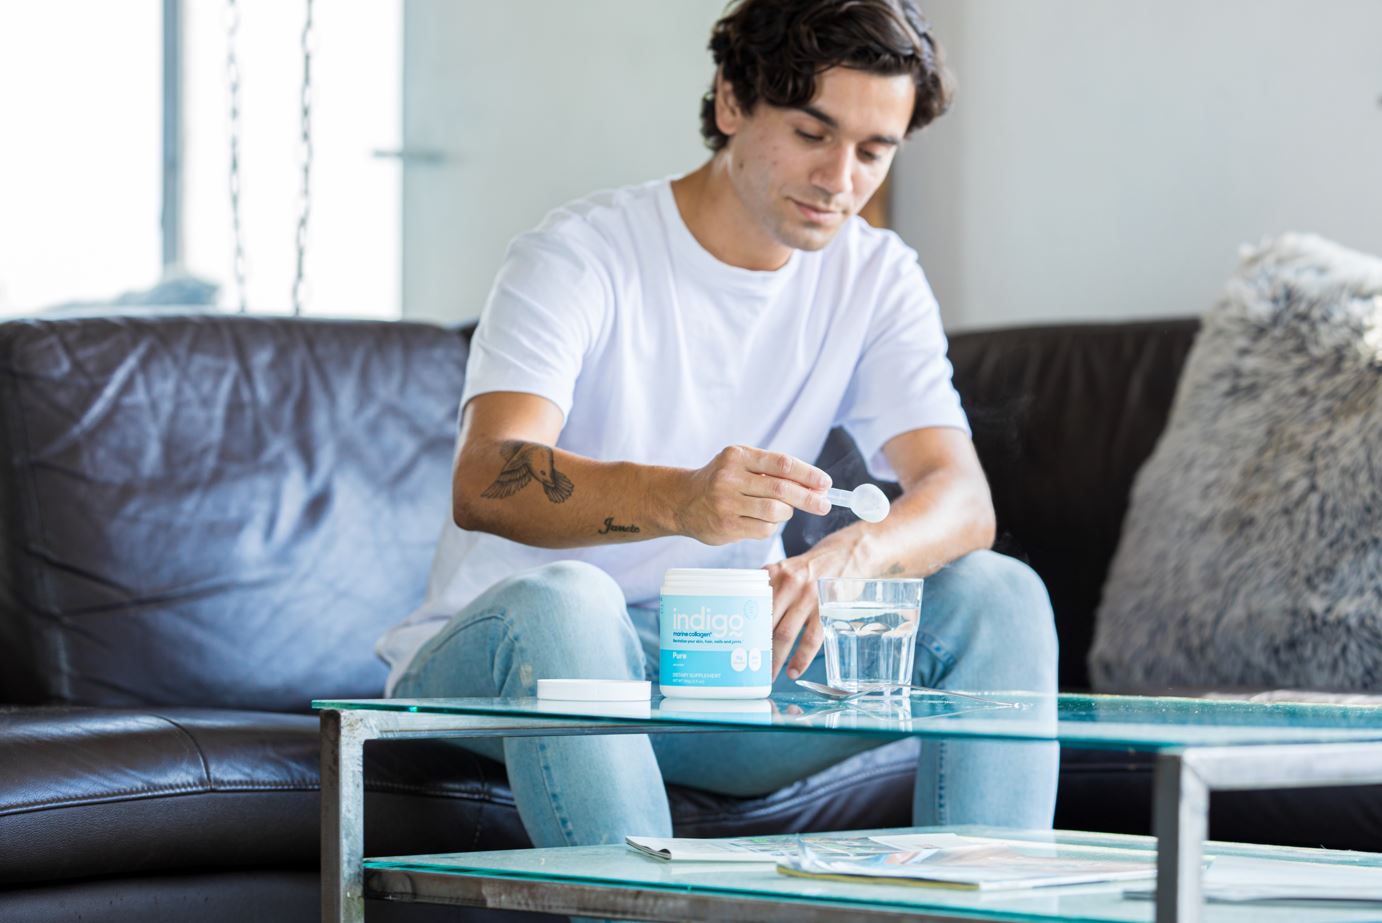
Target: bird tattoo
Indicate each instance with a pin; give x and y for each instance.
(527, 461)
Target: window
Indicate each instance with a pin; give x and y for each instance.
(81, 162)
(80, 179)
(352, 264)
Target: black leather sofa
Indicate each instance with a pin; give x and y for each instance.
(207, 520)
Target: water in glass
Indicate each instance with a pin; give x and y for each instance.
(869, 645)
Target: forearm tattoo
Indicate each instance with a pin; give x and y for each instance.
(528, 461)
(611, 526)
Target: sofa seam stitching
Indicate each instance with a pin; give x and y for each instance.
(146, 793)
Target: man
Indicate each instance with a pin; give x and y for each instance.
(733, 314)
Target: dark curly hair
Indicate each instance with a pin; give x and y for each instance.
(772, 50)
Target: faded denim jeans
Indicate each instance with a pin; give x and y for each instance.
(986, 624)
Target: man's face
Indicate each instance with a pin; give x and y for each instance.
(801, 173)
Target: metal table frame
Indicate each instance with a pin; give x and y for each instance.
(1180, 802)
(1184, 779)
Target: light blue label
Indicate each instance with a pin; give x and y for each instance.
(715, 641)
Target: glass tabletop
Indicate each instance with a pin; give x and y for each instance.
(1150, 723)
(1230, 867)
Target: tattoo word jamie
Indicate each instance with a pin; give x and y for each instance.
(611, 527)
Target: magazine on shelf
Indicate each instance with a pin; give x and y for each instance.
(769, 849)
(935, 859)
(977, 863)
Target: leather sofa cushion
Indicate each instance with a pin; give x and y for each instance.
(86, 792)
(216, 510)
(94, 791)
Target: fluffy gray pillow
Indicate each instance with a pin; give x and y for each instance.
(1251, 554)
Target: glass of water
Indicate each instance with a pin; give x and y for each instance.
(870, 632)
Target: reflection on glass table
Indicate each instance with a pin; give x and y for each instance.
(1203, 745)
(1096, 721)
(1244, 884)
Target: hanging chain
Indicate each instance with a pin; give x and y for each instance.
(233, 81)
(305, 203)
(306, 141)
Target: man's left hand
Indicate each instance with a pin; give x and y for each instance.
(796, 607)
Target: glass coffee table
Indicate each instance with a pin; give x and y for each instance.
(1202, 745)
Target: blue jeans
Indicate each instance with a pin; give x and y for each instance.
(987, 624)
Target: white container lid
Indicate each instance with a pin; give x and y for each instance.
(595, 690)
(717, 581)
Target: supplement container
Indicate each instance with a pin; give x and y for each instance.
(717, 633)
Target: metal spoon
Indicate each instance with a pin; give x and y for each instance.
(831, 692)
(844, 695)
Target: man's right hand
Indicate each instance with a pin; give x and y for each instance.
(746, 493)
(570, 501)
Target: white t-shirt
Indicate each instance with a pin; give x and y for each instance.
(658, 353)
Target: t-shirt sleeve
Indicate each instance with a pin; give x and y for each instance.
(902, 380)
(543, 316)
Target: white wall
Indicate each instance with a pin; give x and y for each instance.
(532, 103)
(1105, 160)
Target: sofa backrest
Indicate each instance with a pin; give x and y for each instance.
(216, 510)
(222, 510)
(1063, 417)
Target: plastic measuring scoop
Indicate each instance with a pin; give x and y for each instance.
(867, 501)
